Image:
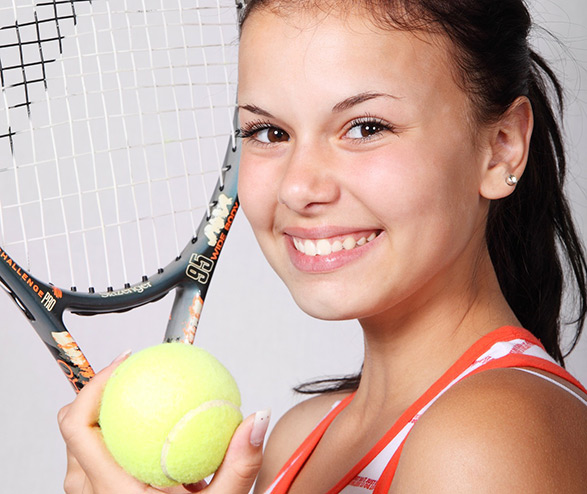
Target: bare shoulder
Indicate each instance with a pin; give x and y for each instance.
(290, 431)
(499, 431)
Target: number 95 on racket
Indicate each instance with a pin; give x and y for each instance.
(118, 179)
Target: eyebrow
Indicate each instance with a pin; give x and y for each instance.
(256, 110)
(359, 98)
(339, 107)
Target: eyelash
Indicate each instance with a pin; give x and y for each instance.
(381, 124)
(249, 130)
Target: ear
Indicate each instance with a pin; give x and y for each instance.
(509, 142)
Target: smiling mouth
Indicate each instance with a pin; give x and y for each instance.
(327, 246)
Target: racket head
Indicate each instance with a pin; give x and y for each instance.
(116, 118)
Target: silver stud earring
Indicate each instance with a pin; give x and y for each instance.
(511, 180)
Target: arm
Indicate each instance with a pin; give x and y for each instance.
(497, 432)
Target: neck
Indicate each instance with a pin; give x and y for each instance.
(406, 351)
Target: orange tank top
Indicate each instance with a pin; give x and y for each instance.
(505, 347)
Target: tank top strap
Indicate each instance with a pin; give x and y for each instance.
(504, 347)
(289, 471)
(523, 350)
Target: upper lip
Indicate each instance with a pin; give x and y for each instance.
(327, 231)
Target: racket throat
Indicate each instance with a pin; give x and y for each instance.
(185, 315)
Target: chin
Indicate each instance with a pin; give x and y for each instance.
(328, 309)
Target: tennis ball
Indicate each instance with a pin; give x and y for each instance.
(168, 414)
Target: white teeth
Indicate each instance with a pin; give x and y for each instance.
(309, 248)
(298, 245)
(324, 247)
(336, 246)
(349, 243)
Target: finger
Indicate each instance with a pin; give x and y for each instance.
(197, 487)
(79, 426)
(186, 489)
(75, 477)
(100, 472)
(63, 413)
(244, 457)
(84, 411)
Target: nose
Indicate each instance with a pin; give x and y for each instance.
(308, 182)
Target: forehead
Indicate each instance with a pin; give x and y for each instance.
(331, 48)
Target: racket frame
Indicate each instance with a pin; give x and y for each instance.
(189, 274)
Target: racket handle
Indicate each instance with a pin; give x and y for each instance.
(71, 359)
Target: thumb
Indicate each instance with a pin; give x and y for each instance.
(243, 458)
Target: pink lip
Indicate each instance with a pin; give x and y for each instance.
(326, 232)
(331, 262)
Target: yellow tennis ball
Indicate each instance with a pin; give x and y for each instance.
(168, 414)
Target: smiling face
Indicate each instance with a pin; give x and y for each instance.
(360, 174)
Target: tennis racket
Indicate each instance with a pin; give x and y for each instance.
(119, 159)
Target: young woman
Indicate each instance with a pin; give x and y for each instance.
(402, 165)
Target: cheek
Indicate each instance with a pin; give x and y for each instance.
(431, 192)
(256, 194)
(395, 184)
(257, 191)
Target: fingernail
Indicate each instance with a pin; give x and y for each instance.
(260, 426)
(201, 485)
(121, 357)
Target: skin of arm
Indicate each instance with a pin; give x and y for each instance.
(497, 432)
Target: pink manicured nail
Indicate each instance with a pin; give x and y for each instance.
(200, 486)
(121, 357)
(260, 426)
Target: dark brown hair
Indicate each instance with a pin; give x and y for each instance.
(532, 240)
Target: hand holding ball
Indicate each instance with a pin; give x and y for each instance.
(168, 414)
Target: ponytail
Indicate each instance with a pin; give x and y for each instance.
(531, 237)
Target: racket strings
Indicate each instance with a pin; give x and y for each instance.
(128, 110)
(26, 35)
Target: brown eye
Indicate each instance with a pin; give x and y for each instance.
(367, 128)
(263, 133)
(364, 130)
(370, 129)
(272, 135)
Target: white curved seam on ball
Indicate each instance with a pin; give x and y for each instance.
(181, 423)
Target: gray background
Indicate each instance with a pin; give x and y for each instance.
(250, 322)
